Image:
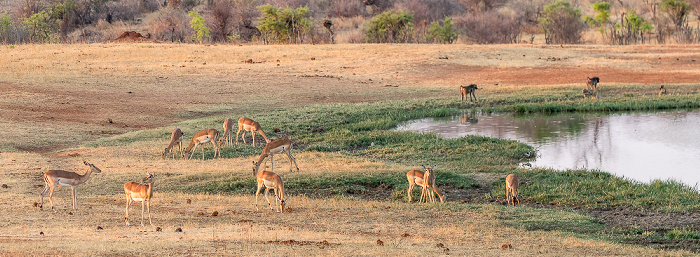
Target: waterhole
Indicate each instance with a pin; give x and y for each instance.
(641, 146)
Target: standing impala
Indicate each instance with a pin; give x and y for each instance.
(228, 127)
(246, 124)
(272, 148)
(512, 189)
(175, 139)
(271, 181)
(427, 181)
(53, 178)
(201, 137)
(140, 192)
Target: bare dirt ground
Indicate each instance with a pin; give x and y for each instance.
(54, 97)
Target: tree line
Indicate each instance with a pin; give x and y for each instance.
(354, 21)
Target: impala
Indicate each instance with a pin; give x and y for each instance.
(271, 181)
(272, 148)
(228, 126)
(53, 178)
(140, 192)
(426, 180)
(201, 137)
(246, 124)
(175, 139)
(662, 90)
(512, 189)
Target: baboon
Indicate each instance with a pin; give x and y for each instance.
(589, 93)
(471, 89)
(592, 83)
(662, 90)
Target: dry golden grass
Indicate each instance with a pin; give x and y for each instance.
(56, 97)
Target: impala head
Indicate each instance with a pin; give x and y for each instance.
(165, 152)
(428, 170)
(150, 177)
(256, 167)
(282, 202)
(92, 167)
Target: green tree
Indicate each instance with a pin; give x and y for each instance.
(42, 26)
(390, 27)
(561, 23)
(601, 18)
(199, 26)
(678, 11)
(442, 34)
(284, 24)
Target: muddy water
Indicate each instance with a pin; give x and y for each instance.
(640, 146)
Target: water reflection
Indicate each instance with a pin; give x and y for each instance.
(641, 146)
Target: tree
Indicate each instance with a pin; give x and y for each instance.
(677, 10)
(389, 27)
(200, 28)
(284, 24)
(442, 34)
(561, 23)
(601, 18)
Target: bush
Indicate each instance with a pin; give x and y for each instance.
(427, 11)
(491, 28)
(442, 34)
(169, 24)
(200, 28)
(390, 27)
(561, 23)
(284, 24)
(220, 20)
(346, 8)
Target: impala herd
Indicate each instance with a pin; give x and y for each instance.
(143, 191)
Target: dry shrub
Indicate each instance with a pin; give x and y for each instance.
(245, 12)
(129, 9)
(169, 24)
(482, 5)
(102, 31)
(219, 20)
(490, 27)
(346, 8)
(427, 11)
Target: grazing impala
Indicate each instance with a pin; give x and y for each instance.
(271, 181)
(201, 137)
(175, 139)
(53, 178)
(228, 127)
(427, 181)
(272, 148)
(246, 124)
(512, 189)
(140, 192)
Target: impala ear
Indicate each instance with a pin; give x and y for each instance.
(86, 163)
(423, 166)
(432, 167)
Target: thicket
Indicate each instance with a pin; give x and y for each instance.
(377, 21)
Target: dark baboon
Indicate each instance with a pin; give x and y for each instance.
(662, 90)
(589, 93)
(470, 90)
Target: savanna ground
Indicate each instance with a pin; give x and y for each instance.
(338, 104)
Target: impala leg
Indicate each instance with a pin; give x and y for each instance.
(237, 133)
(128, 202)
(292, 159)
(148, 206)
(193, 151)
(252, 132)
(143, 207)
(257, 192)
(51, 196)
(267, 189)
(75, 201)
(203, 152)
(217, 149)
(410, 191)
(243, 137)
(41, 197)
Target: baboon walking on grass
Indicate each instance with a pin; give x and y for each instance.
(470, 90)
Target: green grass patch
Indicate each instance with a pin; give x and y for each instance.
(596, 189)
